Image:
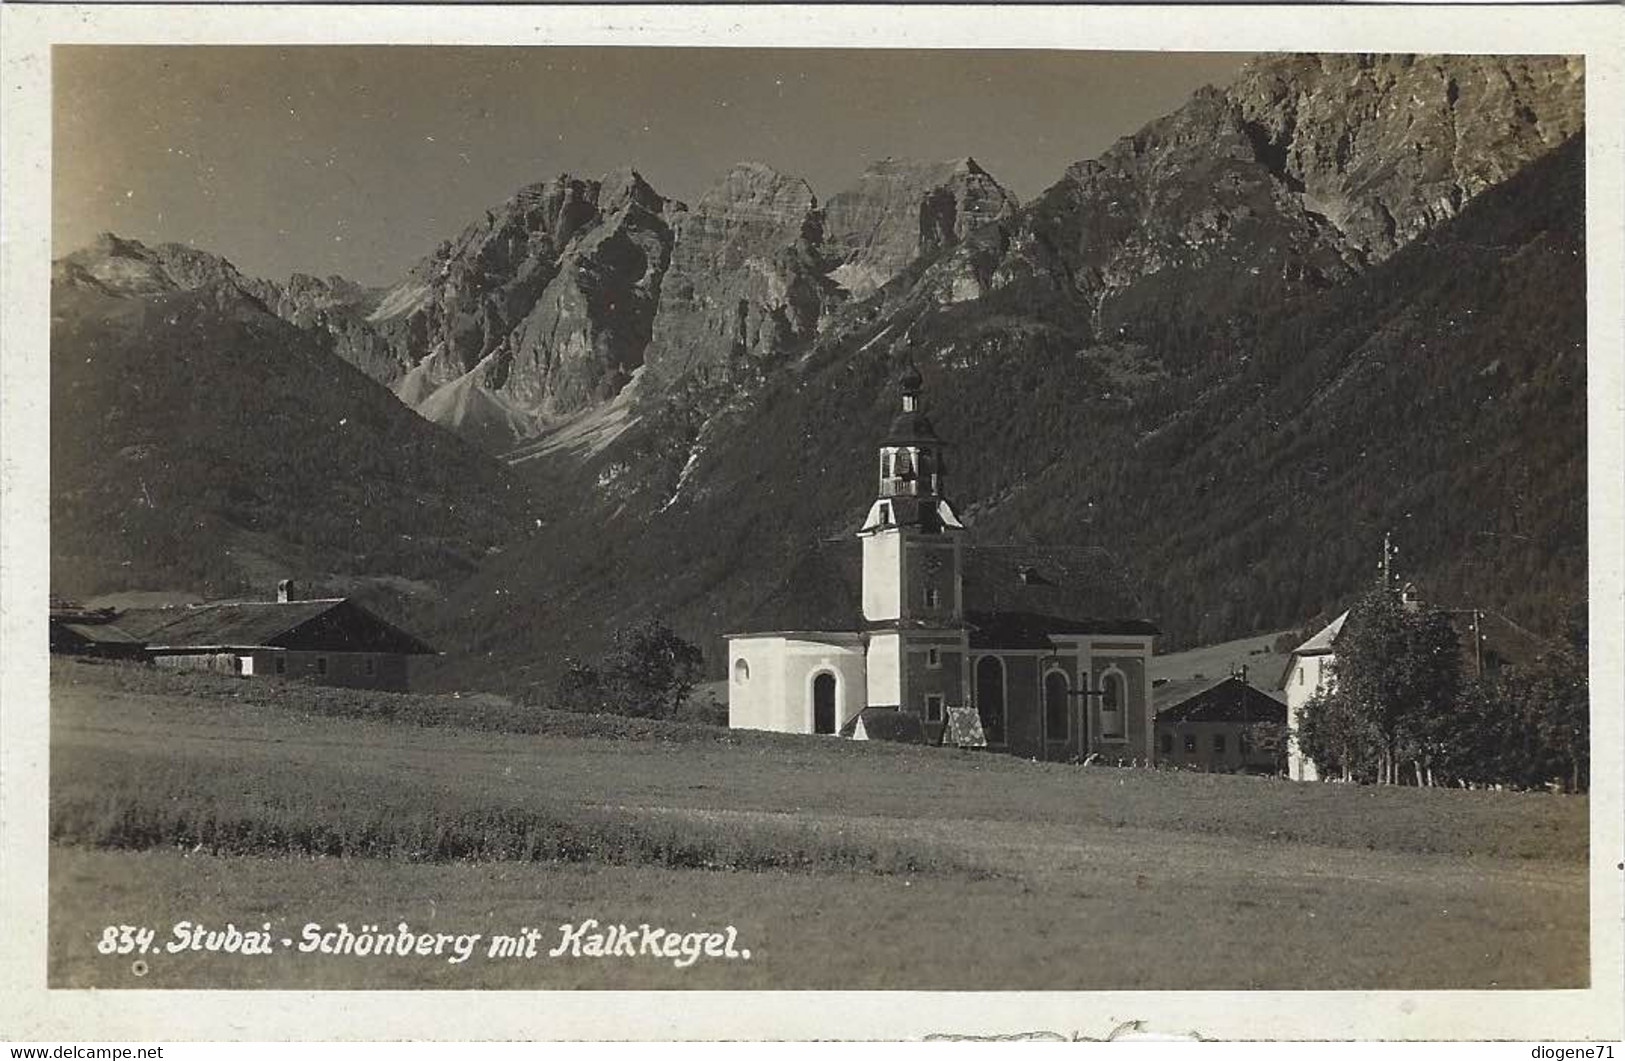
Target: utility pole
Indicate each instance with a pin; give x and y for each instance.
(1478, 646)
(1389, 551)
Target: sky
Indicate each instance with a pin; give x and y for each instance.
(359, 160)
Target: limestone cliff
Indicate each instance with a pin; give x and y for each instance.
(1385, 147)
(902, 210)
(746, 280)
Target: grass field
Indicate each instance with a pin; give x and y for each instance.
(840, 865)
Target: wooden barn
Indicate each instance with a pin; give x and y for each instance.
(331, 641)
(1221, 725)
(80, 631)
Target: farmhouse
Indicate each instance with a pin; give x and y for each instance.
(1221, 725)
(333, 641)
(1489, 641)
(909, 618)
(80, 631)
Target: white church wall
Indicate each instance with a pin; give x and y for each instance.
(804, 662)
(755, 683)
(885, 667)
(774, 692)
(882, 576)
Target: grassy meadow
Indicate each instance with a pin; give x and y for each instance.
(839, 865)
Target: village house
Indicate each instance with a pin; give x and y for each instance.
(909, 618)
(1489, 641)
(1223, 725)
(331, 641)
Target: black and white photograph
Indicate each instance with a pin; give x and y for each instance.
(596, 514)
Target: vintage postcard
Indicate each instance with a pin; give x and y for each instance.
(647, 522)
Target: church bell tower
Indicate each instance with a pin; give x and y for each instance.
(913, 595)
(911, 534)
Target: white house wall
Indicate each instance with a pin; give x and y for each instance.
(1304, 678)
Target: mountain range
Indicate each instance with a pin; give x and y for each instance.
(1342, 295)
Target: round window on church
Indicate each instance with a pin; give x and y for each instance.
(741, 672)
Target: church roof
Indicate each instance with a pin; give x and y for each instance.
(1076, 589)
(1015, 596)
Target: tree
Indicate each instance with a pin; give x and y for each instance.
(1339, 736)
(649, 671)
(1397, 669)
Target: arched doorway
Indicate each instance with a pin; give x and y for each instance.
(1057, 707)
(824, 703)
(990, 697)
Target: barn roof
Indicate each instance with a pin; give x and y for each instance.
(336, 623)
(1215, 700)
(1013, 594)
(102, 633)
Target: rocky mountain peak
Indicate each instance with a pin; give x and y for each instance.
(129, 268)
(1385, 147)
(623, 186)
(902, 209)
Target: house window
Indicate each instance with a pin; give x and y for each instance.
(1167, 744)
(370, 667)
(933, 707)
(1218, 744)
(933, 658)
(282, 664)
(741, 672)
(1300, 675)
(1111, 706)
(933, 597)
(1190, 744)
(321, 665)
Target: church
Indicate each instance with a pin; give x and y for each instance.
(907, 618)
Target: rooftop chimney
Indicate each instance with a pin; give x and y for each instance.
(284, 591)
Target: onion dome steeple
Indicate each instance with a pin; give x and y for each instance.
(911, 468)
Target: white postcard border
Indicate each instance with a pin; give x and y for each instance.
(29, 1011)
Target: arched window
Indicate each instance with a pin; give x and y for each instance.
(741, 672)
(1057, 719)
(990, 697)
(1113, 704)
